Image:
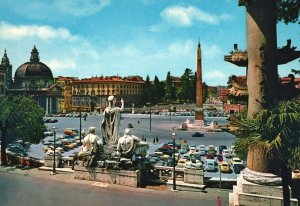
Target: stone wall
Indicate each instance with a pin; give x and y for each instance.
(193, 176)
(120, 177)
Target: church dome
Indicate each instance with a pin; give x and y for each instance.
(34, 68)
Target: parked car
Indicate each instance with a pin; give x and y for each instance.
(164, 151)
(50, 121)
(48, 133)
(210, 165)
(185, 156)
(236, 160)
(209, 156)
(181, 163)
(225, 167)
(226, 153)
(170, 162)
(232, 149)
(198, 134)
(202, 151)
(220, 158)
(192, 150)
(194, 164)
(237, 168)
(211, 151)
(296, 174)
(221, 148)
(160, 163)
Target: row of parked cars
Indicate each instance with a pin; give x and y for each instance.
(68, 141)
(209, 158)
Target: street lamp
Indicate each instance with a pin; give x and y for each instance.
(54, 129)
(174, 175)
(170, 112)
(149, 104)
(80, 102)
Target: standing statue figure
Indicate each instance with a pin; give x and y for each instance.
(111, 122)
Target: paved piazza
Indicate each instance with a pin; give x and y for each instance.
(161, 127)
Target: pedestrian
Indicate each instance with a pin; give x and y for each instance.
(153, 140)
(180, 140)
(156, 139)
(138, 121)
(184, 141)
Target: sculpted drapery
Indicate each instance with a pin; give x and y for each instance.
(111, 122)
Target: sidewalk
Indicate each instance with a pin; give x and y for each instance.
(67, 176)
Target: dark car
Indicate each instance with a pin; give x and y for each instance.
(198, 134)
(130, 125)
(50, 121)
(170, 162)
(237, 168)
(165, 151)
(221, 148)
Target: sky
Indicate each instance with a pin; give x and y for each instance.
(88, 38)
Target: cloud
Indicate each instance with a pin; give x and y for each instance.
(214, 75)
(211, 51)
(81, 8)
(58, 64)
(186, 16)
(18, 32)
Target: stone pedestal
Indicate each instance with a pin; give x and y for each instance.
(49, 161)
(193, 176)
(247, 193)
(119, 177)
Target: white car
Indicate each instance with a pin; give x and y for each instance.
(236, 160)
(226, 153)
(296, 174)
(192, 150)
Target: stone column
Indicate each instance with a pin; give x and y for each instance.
(50, 105)
(47, 106)
(262, 77)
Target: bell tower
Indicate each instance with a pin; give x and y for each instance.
(6, 66)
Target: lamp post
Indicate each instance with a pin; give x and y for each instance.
(80, 118)
(54, 129)
(170, 112)
(149, 104)
(174, 175)
(220, 184)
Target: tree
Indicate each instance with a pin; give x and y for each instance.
(272, 136)
(147, 90)
(186, 89)
(22, 116)
(157, 91)
(288, 11)
(170, 91)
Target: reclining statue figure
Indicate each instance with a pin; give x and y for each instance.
(91, 143)
(127, 145)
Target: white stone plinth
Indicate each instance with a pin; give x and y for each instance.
(247, 193)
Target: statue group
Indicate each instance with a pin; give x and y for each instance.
(110, 150)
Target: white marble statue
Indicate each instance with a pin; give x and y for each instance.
(90, 142)
(127, 144)
(88, 151)
(111, 122)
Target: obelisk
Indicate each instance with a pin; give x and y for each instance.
(199, 94)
